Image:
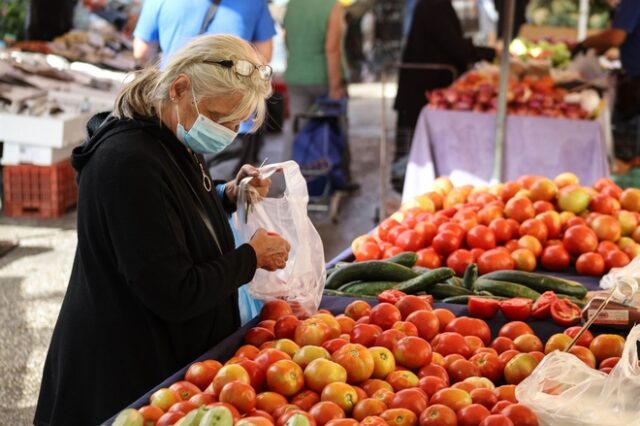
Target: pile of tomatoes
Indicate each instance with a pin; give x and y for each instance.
(523, 224)
(406, 364)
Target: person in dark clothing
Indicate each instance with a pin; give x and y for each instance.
(519, 15)
(155, 277)
(48, 19)
(435, 37)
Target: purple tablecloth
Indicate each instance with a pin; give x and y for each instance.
(462, 145)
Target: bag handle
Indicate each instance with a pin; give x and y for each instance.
(208, 18)
(295, 184)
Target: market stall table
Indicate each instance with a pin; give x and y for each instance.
(460, 144)
(225, 349)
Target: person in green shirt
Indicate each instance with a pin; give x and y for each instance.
(314, 63)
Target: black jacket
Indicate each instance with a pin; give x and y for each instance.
(149, 291)
(436, 37)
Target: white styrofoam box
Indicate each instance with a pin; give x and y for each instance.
(58, 131)
(14, 154)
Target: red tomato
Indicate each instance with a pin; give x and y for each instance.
(514, 329)
(446, 242)
(410, 241)
(438, 415)
(501, 344)
(555, 258)
(472, 415)
(428, 258)
(357, 360)
(485, 308)
(285, 377)
(427, 323)
(521, 415)
(412, 352)
(484, 396)
(590, 264)
(516, 308)
(201, 374)
(411, 399)
(501, 230)
(496, 420)
(367, 251)
(535, 228)
(564, 312)
(365, 334)
(580, 239)
(391, 296)
(461, 369)
(402, 379)
(270, 401)
(528, 343)
(445, 316)
(386, 226)
(481, 236)
(616, 259)
(256, 336)
(459, 260)
(427, 230)
(609, 362)
(409, 304)
(384, 315)
(494, 260)
(541, 309)
(434, 370)
(506, 393)
(389, 338)
(431, 384)
(606, 346)
(306, 399)
(240, 395)
(584, 340)
(389, 250)
(399, 417)
(450, 343)
(489, 365)
(456, 399)
(467, 326)
(368, 407)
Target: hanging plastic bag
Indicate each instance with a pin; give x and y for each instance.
(562, 390)
(302, 280)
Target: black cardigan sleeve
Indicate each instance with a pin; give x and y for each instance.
(448, 32)
(147, 233)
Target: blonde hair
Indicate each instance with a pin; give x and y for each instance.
(149, 90)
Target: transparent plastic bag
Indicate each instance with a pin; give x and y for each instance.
(625, 280)
(302, 280)
(562, 390)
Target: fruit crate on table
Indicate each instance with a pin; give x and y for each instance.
(40, 191)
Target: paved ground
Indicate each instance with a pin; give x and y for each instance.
(33, 277)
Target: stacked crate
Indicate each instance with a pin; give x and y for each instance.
(38, 179)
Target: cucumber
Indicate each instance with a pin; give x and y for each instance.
(540, 283)
(464, 299)
(329, 292)
(442, 291)
(421, 269)
(457, 281)
(337, 266)
(369, 288)
(372, 270)
(407, 258)
(483, 293)
(575, 300)
(424, 281)
(470, 276)
(347, 285)
(505, 288)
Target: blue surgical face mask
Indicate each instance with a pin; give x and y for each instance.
(205, 136)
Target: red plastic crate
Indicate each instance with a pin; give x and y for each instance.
(39, 191)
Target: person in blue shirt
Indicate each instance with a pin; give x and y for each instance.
(624, 34)
(166, 25)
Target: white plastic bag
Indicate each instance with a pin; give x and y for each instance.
(302, 280)
(627, 275)
(562, 390)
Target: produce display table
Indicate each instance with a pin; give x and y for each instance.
(459, 144)
(225, 349)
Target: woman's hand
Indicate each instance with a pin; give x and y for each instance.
(272, 251)
(262, 185)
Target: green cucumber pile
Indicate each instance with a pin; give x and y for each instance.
(370, 278)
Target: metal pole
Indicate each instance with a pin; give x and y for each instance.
(501, 115)
(583, 19)
(382, 213)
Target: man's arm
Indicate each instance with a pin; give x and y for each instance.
(144, 52)
(601, 42)
(333, 52)
(265, 49)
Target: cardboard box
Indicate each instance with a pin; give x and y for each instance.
(56, 132)
(14, 154)
(534, 32)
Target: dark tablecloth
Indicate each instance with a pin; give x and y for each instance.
(225, 349)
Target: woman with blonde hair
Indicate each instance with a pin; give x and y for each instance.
(155, 277)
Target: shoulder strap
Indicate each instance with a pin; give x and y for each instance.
(199, 204)
(211, 13)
